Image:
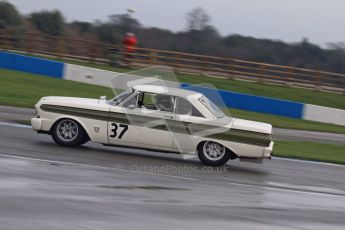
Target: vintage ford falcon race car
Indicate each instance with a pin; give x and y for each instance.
(157, 118)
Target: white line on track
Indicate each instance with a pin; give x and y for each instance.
(310, 162)
(15, 125)
(179, 177)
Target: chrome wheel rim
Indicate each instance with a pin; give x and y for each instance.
(67, 130)
(213, 151)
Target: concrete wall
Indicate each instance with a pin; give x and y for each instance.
(110, 79)
(230, 99)
(324, 114)
(88, 75)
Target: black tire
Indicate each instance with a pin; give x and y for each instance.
(85, 140)
(68, 132)
(213, 154)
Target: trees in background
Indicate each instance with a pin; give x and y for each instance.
(123, 23)
(197, 19)
(113, 30)
(82, 27)
(9, 15)
(49, 22)
(199, 37)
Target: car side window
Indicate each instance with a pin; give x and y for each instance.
(131, 102)
(184, 107)
(148, 101)
(159, 102)
(165, 103)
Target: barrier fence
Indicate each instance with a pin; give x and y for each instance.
(230, 68)
(231, 99)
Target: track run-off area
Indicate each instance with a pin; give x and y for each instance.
(43, 185)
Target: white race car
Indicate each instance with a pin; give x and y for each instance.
(156, 118)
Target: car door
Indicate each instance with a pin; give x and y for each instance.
(144, 117)
(189, 117)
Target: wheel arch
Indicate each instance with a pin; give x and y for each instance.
(232, 153)
(79, 122)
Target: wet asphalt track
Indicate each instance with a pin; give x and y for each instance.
(45, 186)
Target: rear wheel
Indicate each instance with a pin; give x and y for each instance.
(68, 132)
(213, 154)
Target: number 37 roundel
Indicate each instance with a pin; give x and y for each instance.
(118, 130)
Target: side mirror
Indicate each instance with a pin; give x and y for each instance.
(103, 98)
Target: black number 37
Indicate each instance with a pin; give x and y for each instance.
(114, 130)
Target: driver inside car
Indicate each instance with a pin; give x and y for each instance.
(165, 103)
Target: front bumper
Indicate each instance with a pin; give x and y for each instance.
(36, 123)
(268, 150)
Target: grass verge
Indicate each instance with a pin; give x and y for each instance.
(310, 151)
(334, 100)
(288, 123)
(24, 90)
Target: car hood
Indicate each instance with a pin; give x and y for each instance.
(253, 126)
(71, 100)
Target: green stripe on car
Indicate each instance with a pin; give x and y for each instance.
(235, 135)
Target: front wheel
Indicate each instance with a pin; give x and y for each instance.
(68, 132)
(213, 154)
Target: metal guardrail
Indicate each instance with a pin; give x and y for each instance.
(230, 68)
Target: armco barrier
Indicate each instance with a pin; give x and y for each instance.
(231, 99)
(31, 65)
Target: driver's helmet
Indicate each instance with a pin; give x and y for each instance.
(165, 103)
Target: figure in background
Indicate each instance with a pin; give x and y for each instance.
(129, 43)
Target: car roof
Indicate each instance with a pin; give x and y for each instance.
(167, 90)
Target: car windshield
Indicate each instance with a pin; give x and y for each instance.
(122, 96)
(215, 110)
